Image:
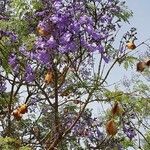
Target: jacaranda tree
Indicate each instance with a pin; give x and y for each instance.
(55, 60)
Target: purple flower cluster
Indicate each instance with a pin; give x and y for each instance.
(67, 27)
(86, 127)
(11, 35)
(129, 131)
(13, 62)
(29, 74)
(2, 85)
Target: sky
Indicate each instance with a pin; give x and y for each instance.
(141, 21)
(141, 17)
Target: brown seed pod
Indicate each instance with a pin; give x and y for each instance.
(17, 115)
(111, 127)
(148, 63)
(116, 109)
(65, 93)
(76, 101)
(23, 108)
(41, 31)
(48, 77)
(131, 45)
(65, 110)
(141, 66)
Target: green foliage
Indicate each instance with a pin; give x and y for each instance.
(114, 95)
(21, 7)
(126, 143)
(129, 62)
(8, 143)
(125, 14)
(25, 148)
(28, 41)
(146, 144)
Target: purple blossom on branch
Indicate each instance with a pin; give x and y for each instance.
(129, 131)
(29, 74)
(13, 37)
(65, 25)
(2, 85)
(13, 62)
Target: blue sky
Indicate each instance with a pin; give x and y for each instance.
(141, 17)
(141, 21)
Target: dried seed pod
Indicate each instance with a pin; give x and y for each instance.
(116, 109)
(131, 45)
(148, 63)
(65, 110)
(41, 31)
(141, 66)
(65, 93)
(111, 127)
(17, 115)
(23, 108)
(76, 101)
(48, 77)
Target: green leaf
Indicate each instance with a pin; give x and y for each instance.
(129, 62)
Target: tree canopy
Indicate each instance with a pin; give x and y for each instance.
(55, 60)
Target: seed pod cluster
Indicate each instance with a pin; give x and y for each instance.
(18, 113)
(111, 126)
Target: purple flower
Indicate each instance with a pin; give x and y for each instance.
(130, 132)
(29, 74)
(94, 47)
(85, 20)
(42, 13)
(2, 85)
(75, 26)
(29, 54)
(40, 43)
(57, 5)
(43, 57)
(51, 43)
(13, 37)
(96, 36)
(70, 47)
(106, 59)
(106, 19)
(91, 47)
(12, 60)
(65, 38)
(89, 29)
